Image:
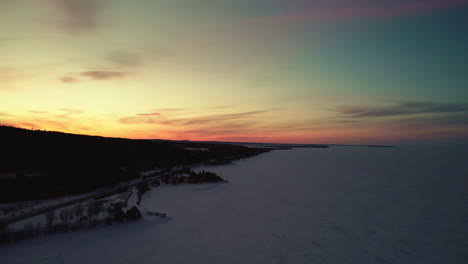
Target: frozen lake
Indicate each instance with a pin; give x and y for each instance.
(336, 205)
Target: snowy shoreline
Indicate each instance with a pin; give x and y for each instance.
(339, 205)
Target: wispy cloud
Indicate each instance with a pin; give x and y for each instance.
(170, 109)
(245, 138)
(37, 123)
(222, 121)
(223, 117)
(104, 75)
(125, 58)
(68, 112)
(62, 119)
(141, 119)
(366, 12)
(68, 79)
(149, 114)
(401, 109)
(37, 111)
(79, 15)
(122, 62)
(29, 125)
(8, 74)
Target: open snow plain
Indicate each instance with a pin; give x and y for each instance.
(336, 205)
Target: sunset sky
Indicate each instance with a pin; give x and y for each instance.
(297, 71)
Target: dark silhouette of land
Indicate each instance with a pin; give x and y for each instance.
(71, 164)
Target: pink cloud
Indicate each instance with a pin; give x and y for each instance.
(103, 75)
(150, 114)
(38, 111)
(29, 125)
(165, 123)
(139, 120)
(403, 9)
(68, 79)
(171, 109)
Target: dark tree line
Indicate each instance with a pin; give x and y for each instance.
(70, 163)
(204, 176)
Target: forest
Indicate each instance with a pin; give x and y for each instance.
(71, 164)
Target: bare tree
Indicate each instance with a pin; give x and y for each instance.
(50, 216)
(78, 211)
(94, 210)
(65, 216)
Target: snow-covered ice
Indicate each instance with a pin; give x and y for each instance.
(336, 205)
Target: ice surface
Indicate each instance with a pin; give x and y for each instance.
(336, 205)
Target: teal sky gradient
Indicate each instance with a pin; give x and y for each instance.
(300, 71)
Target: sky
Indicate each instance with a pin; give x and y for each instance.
(290, 71)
